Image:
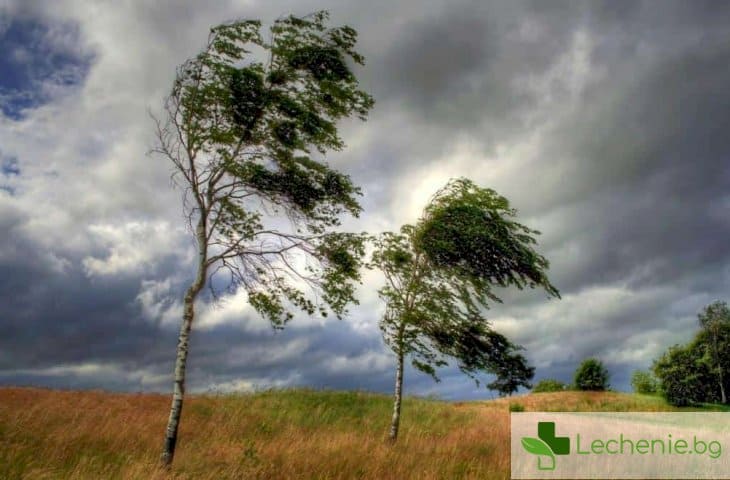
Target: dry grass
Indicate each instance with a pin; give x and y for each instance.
(47, 434)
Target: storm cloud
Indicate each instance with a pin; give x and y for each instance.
(604, 123)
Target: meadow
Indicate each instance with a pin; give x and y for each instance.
(278, 434)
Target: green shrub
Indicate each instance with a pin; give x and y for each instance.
(684, 375)
(549, 385)
(516, 407)
(591, 375)
(644, 382)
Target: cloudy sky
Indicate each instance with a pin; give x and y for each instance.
(604, 123)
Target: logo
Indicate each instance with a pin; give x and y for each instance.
(546, 445)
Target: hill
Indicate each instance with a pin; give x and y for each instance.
(49, 434)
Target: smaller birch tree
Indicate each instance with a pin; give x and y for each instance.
(440, 274)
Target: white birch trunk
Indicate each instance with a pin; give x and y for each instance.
(395, 421)
(168, 451)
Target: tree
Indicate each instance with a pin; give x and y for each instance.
(440, 274)
(240, 133)
(512, 373)
(644, 382)
(591, 375)
(695, 372)
(549, 385)
(715, 322)
(685, 378)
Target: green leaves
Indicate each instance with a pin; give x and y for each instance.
(591, 375)
(536, 446)
(247, 100)
(240, 133)
(697, 371)
(439, 277)
(322, 62)
(271, 115)
(342, 255)
(466, 231)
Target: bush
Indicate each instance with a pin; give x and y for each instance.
(549, 385)
(516, 407)
(684, 375)
(591, 375)
(644, 382)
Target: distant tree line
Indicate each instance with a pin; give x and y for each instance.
(591, 375)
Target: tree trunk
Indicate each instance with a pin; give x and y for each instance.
(168, 451)
(723, 398)
(395, 422)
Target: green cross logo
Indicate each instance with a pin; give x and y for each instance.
(546, 445)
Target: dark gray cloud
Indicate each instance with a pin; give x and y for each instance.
(40, 62)
(603, 122)
(54, 314)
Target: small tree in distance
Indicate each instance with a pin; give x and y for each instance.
(644, 382)
(591, 375)
(440, 274)
(549, 385)
(240, 135)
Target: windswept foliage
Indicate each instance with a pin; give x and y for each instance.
(440, 275)
(468, 232)
(246, 125)
(512, 371)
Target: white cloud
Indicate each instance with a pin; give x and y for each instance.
(133, 248)
(370, 361)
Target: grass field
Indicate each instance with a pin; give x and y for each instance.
(48, 434)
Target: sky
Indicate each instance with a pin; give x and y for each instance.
(604, 123)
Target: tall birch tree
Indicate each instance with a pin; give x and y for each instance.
(440, 275)
(246, 127)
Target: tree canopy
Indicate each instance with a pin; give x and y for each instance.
(715, 322)
(695, 372)
(685, 378)
(549, 385)
(247, 136)
(246, 127)
(512, 371)
(644, 382)
(440, 275)
(591, 374)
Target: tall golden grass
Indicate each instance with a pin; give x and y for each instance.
(47, 434)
